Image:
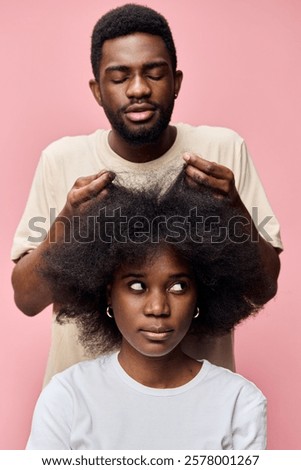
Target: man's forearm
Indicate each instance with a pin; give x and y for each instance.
(31, 291)
(268, 257)
(271, 265)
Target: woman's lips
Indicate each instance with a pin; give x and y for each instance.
(156, 334)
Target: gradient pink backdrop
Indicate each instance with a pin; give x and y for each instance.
(241, 63)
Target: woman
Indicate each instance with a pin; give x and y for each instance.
(140, 272)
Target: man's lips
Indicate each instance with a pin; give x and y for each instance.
(142, 112)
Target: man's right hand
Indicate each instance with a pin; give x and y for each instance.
(85, 190)
(32, 293)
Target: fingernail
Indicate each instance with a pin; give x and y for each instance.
(186, 157)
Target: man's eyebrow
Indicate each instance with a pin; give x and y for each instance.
(146, 66)
(155, 64)
(117, 68)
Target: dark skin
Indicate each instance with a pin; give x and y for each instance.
(144, 76)
(136, 71)
(153, 307)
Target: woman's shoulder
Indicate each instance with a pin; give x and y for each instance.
(232, 382)
(92, 370)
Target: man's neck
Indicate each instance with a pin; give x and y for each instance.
(143, 153)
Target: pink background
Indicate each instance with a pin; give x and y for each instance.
(241, 63)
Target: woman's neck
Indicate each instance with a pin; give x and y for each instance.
(169, 371)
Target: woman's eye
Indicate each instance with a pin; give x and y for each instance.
(137, 286)
(177, 287)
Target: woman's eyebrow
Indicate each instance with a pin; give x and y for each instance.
(138, 275)
(181, 275)
(171, 276)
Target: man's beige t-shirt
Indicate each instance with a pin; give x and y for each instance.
(69, 158)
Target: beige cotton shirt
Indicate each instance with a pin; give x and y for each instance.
(69, 158)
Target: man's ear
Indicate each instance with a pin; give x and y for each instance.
(178, 81)
(94, 87)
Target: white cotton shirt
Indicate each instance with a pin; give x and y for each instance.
(97, 405)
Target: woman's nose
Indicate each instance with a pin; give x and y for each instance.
(157, 305)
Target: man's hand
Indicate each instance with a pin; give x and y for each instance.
(221, 180)
(87, 189)
(32, 293)
(218, 177)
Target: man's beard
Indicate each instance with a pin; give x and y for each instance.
(143, 134)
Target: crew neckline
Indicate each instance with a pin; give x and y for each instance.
(129, 381)
(163, 159)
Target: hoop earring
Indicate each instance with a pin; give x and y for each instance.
(196, 313)
(109, 312)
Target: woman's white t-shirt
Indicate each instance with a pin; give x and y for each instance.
(97, 405)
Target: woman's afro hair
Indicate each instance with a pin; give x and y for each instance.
(127, 227)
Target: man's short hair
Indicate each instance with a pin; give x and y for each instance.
(130, 19)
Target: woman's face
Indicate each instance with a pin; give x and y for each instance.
(153, 304)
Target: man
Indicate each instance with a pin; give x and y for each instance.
(136, 82)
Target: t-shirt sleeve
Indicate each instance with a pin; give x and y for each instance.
(39, 211)
(52, 419)
(255, 199)
(249, 419)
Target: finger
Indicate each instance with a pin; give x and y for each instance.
(100, 183)
(91, 190)
(210, 168)
(85, 180)
(216, 194)
(199, 177)
(191, 183)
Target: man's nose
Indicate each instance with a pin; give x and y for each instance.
(138, 88)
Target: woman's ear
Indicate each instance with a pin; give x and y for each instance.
(108, 294)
